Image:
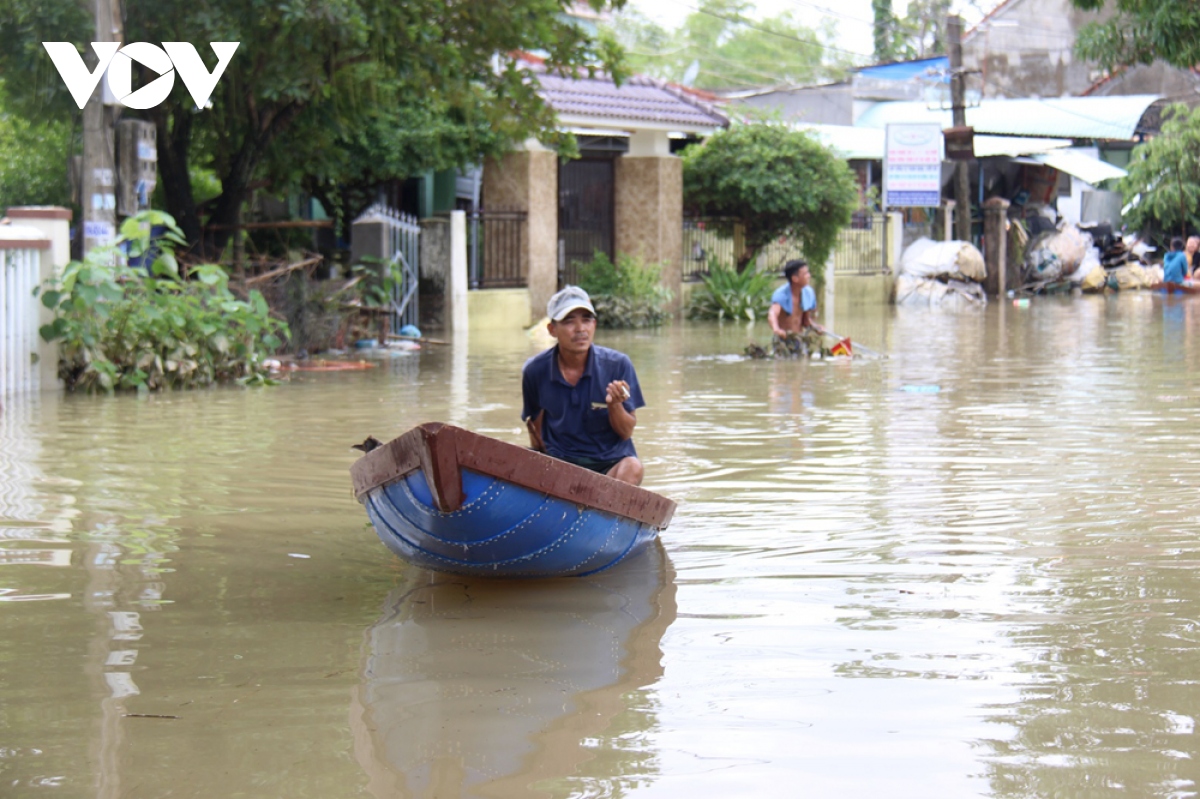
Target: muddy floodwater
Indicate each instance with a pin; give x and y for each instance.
(968, 569)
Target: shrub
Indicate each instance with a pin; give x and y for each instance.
(628, 293)
(123, 327)
(728, 294)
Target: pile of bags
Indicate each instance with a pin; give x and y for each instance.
(947, 274)
(1092, 259)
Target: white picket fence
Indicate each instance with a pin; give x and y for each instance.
(19, 271)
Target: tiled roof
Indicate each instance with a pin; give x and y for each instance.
(657, 104)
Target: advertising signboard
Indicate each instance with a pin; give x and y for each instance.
(912, 166)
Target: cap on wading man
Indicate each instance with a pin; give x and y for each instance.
(580, 399)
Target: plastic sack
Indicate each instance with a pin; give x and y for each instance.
(1129, 276)
(1055, 254)
(1090, 262)
(1094, 280)
(955, 260)
(923, 291)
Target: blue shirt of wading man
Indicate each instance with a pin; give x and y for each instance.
(576, 421)
(783, 296)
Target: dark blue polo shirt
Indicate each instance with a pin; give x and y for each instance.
(576, 421)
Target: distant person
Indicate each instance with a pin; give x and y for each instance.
(794, 303)
(1192, 251)
(1175, 264)
(580, 400)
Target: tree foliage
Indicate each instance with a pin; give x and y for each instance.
(920, 33)
(33, 168)
(776, 182)
(314, 86)
(720, 46)
(1163, 184)
(1141, 32)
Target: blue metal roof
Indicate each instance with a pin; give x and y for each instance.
(1060, 117)
(931, 69)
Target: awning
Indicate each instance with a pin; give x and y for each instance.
(868, 143)
(1062, 117)
(1081, 165)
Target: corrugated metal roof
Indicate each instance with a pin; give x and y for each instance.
(1081, 165)
(868, 143)
(1061, 117)
(655, 103)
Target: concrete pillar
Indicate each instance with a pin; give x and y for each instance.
(648, 214)
(948, 220)
(995, 250)
(895, 240)
(527, 180)
(55, 224)
(456, 281)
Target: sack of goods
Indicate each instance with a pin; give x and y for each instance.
(1056, 254)
(942, 273)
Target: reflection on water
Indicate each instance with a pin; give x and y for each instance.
(479, 688)
(965, 570)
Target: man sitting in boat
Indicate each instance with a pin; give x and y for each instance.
(1175, 265)
(793, 305)
(580, 398)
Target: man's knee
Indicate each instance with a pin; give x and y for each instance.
(627, 470)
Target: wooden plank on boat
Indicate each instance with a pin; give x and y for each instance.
(442, 450)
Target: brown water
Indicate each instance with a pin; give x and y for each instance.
(965, 570)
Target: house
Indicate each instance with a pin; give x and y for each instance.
(623, 195)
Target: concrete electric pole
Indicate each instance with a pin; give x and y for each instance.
(958, 106)
(98, 178)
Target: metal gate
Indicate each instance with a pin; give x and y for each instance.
(402, 245)
(19, 270)
(585, 214)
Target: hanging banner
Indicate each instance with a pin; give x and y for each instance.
(912, 165)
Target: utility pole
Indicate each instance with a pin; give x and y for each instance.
(98, 178)
(958, 106)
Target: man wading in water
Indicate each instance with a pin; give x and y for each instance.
(791, 313)
(580, 399)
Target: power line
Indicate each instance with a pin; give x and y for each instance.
(761, 29)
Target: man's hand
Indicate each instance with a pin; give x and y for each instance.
(617, 391)
(534, 426)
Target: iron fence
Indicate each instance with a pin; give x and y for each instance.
(498, 246)
(861, 248)
(402, 235)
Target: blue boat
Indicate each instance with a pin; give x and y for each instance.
(450, 500)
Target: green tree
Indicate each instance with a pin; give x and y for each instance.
(776, 182)
(1141, 32)
(919, 34)
(315, 68)
(33, 168)
(720, 46)
(1163, 184)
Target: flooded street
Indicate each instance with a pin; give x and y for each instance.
(966, 570)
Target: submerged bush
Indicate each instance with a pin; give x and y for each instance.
(125, 327)
(628, 293)
(729, 294)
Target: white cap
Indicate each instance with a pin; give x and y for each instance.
(567, 300)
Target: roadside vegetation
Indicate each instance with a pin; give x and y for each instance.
(1162, 189)
(152, 325)
(730, 294)
(628, 293)
(774, 182)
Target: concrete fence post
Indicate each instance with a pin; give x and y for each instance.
(457, 281)
(995, 245)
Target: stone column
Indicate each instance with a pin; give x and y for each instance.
(648, 213)
(456, 281)
(995, 238)
(948, 220)
(527, 180)
(55, 224)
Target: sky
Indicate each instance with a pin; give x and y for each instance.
(853, 17)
